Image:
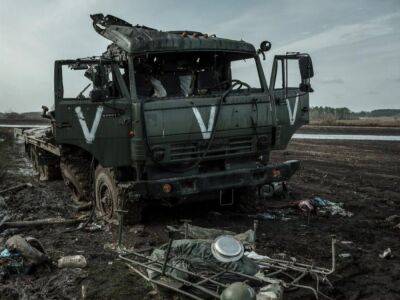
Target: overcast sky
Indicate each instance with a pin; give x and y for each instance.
(355, 45)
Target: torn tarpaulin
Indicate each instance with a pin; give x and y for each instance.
(197, 232)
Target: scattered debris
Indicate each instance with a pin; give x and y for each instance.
(327, 207)
(41, 222)
(93, 227)
(29, 248)
(20, 255)
(306, 206)
(387, 253)
(220, 267)
(15, 188)
(73, 261)
(319, 204)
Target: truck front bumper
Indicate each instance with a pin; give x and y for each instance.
(216, 181)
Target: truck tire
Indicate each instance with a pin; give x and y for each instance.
(108, 198)
(76, 175)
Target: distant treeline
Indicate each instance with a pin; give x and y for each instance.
(343, 113)
(17, 116)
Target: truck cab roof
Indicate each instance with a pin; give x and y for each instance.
(136, 39)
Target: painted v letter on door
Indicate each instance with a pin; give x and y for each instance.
(89, 134)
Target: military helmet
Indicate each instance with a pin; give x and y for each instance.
(238, 291)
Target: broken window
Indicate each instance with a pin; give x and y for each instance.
(287, 70)
(74, 83)
(93, 81)
(246, 70)
(191, 74)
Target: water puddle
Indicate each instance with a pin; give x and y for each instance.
(351, 137)
(22, 126)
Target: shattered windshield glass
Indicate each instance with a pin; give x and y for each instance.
(193, 74)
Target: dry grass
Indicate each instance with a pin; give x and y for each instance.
(366, 122)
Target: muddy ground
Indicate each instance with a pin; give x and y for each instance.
(363, 175)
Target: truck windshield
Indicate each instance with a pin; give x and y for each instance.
(191, 74)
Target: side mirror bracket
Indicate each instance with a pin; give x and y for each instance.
(265, 46)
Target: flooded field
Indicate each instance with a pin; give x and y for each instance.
(364, 175)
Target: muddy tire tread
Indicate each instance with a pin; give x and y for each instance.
(135, 209)
(79, 168)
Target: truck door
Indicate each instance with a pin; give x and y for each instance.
(290, 84)
(93, 109)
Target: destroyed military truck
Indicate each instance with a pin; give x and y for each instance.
(169, 117)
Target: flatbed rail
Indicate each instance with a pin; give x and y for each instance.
(30, 139)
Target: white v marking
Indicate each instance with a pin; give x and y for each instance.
(89, 134)
(206, 132)
(292, 114)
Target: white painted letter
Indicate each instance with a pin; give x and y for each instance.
(292, 114)
(206, 132)
(89, 135)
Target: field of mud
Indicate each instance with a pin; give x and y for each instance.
(363, 175)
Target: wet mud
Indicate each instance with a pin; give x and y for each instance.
(363, 175)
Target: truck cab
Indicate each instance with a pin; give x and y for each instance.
(176, 116)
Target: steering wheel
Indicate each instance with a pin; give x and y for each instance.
(234, 83)
(240, 84)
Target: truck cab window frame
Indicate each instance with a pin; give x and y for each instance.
(110, 86)
(190, 74)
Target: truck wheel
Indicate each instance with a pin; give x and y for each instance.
(108, 196)
(76, 176)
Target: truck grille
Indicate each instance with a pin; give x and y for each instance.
(219, 148)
